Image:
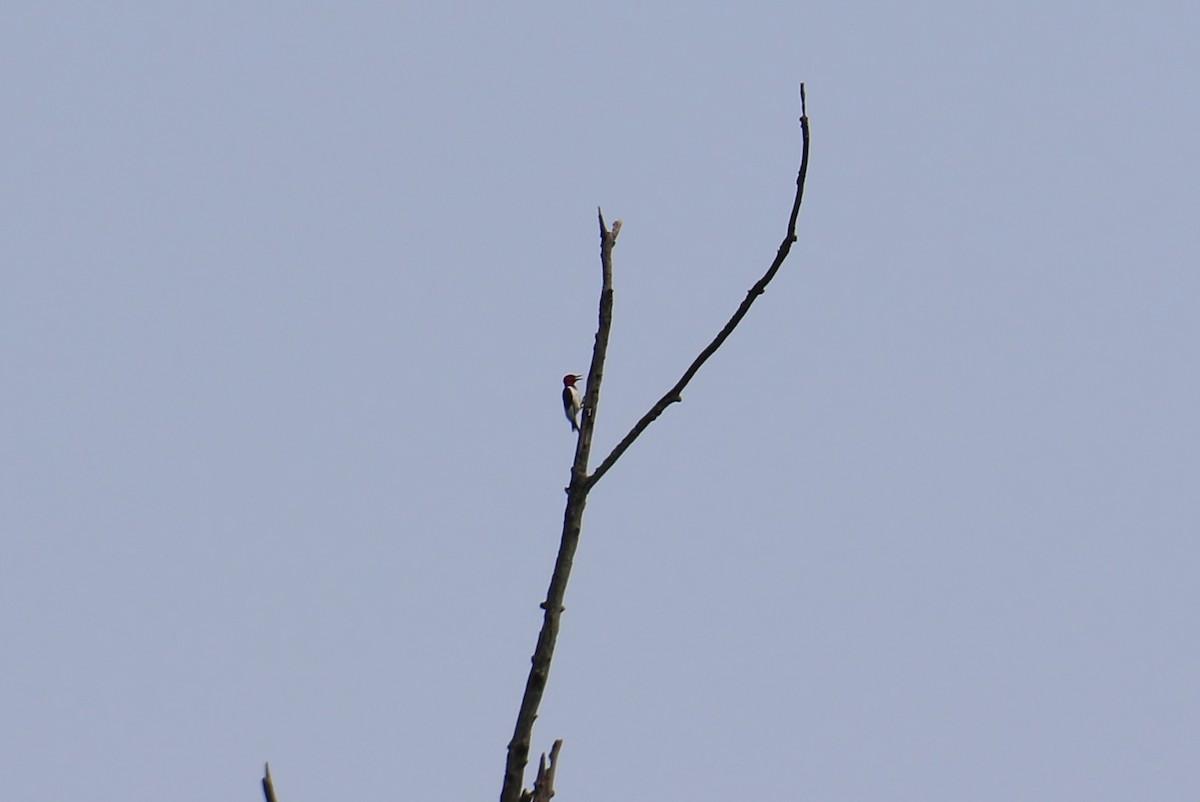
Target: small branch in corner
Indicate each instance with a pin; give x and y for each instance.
(543, 786)
(268, 786)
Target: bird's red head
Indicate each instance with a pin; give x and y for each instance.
(570, 379)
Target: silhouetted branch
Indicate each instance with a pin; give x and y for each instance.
(674, 394)
(539, 672)
(581, 483)
(268, 786)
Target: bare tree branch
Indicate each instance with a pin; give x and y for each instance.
(581, 483)
(268, 786)
(543, 786)
(539, 672)
(674, 394)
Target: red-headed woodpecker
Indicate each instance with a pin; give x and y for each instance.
(571, 402)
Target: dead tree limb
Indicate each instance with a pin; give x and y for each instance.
(581, 483)
(539, 672)
(675, 393)
(268, 786)
(543, 786)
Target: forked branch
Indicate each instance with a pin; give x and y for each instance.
(581, 483)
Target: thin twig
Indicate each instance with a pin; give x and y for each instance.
(674, 394)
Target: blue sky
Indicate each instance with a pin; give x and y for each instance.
(287, 295)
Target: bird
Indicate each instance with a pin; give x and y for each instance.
(571, 401)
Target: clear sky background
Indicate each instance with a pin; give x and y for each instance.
(287, 293)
